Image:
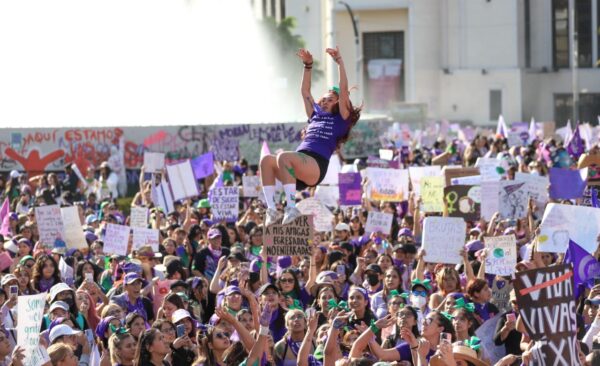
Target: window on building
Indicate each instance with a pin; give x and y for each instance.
(495, 104)
(527, 6)
(589, 108)
(383, 68)
(560, 32)
(583, 18)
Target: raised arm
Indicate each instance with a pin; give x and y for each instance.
(344, 101)
(305, 348)
(307, 60)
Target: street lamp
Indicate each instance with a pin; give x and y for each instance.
(356, 43)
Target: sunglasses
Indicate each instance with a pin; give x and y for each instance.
(223, 335)
(286, 280)
(419, 293)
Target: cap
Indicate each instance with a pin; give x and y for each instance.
(265, 287)
(131, 278)
(25, 259)
(342, 226)
(213, 233)
(321, 283)
(15, 174)
(203, 203)
(179, 315)
(91, 219)
(57, 289)
(60, 331)
(58, 305)
(231, 290)
(405, 232)
(474, 245)
(7, 278)
(374, 267)
(237, 256)
(90, 236)
(11, 246)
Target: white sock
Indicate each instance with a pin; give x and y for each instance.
(269, 192)
(290, 194)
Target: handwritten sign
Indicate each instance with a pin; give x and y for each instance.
(379, 222)
(563, 222)
(224, 203)
(203, 165)
(537, 186)
(74, 237)
(144, 236)
(473, 180)
(417, 174)
(443, 238)
(154, 162)
(463, 201)
(183, 182)
(322, 217)
(50, 225)
(226, 149)
(490, 169)
(501, 256)
(350, 189)
(250, 185)
(291, 239)
(449, 172)
(513, 199)
(389, 185)
(139, 217)
(116, 239)
(31, 312)
(432, 194)
(547, 308)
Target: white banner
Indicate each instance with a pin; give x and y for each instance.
(443, 238)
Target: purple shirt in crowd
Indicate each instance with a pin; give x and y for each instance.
(324, 130)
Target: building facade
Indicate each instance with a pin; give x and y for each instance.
(463, 60)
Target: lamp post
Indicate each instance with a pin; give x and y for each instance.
(357, 45)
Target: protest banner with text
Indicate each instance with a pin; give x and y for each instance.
(74, 237)
(501, 254)
(322, 217)
(31, 312)
(182, 180)
(388, 185)
(139, 217)
(116, 239)
(350, 189)
(50, 225)
(443, 238)
(224, 203)
(291, 239)
(379, 222)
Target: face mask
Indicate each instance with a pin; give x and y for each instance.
(418, 301)
(372, 279)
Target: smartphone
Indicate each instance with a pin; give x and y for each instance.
(89, 334)
(445, 338)
(89, 277)
(341, 269)
(14, 291)
(180, 330)
(511, 317)
(310, 312)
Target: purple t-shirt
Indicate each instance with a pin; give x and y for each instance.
(324, 129)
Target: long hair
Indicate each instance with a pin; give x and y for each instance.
(143, 356)
(296, 283)
(114, 345)
(386, 291)
(38, 269)
(205, 353)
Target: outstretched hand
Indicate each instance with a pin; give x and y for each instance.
(334, 53)
(305, 56)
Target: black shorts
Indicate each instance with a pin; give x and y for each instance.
(321, 162)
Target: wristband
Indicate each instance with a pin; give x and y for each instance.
(264, 331)
(373, 328)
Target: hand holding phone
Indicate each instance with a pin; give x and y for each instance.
(14, 291)
(89, 277)
(445, 338)
(180, 330)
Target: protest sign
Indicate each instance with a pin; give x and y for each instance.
(250, 185)
(443, 238)
(449, 172)
(379, 222)
(563, 222)
(490, 169)
(74, 237)
(350, 189)
(203, 165)
(386, 154)
(66, 272)
(389, 185)
(116, 239)
(328, 195)
(501, 256)
(591, 197)
(513, 199)
(322, 217)
(432, 194)
(417, 173)
(50, 225)
(224, 203)
(567, 184)
(183, 182)
(291, 239)
(490, 199)
(501, 289)
(145, 236)
(547, 308)
(485, 332)
(162, 197)
(226, 149)
(473, 180)
(375, 162)
(153, 162)
(160, 290)
(333, 169)
(537, 187)
(518, 135)
(463, 201)
(139, 217)
(31, 311)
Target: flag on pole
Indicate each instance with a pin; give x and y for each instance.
(585, 266)
(575, 147)
(532, 131)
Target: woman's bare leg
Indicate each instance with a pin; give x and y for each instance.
(268, 173)
(292, 166)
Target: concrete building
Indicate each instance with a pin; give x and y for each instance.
(464, 60)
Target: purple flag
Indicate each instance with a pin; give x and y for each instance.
(566, 184)
(350, 189)
(585, 266)
(576, 147)
(203, 165)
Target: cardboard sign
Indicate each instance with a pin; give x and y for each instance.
(74, 237)
(182, 180)
(547, 308)
(138, 217)
(567, 184)
(387, 185)
(386, 154)
(501, 256)
(30, 310)
(328, 195)
(116, 239)
(250, 185)
(162, 197)
(226, 149)
(513, 199)
(144, 236)
(443, 238)
(463, 201)
(203, 165)
(322, 217)
(224, 203)
(291, 239)
(417, 174)
(449, 172)
(490, 169)
(379, 222)
(154, 162)
(160, 290)
(50, 225)
(563, 222)
(350, 189)
(432, 194)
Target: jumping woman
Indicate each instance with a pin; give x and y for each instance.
(330, 120)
